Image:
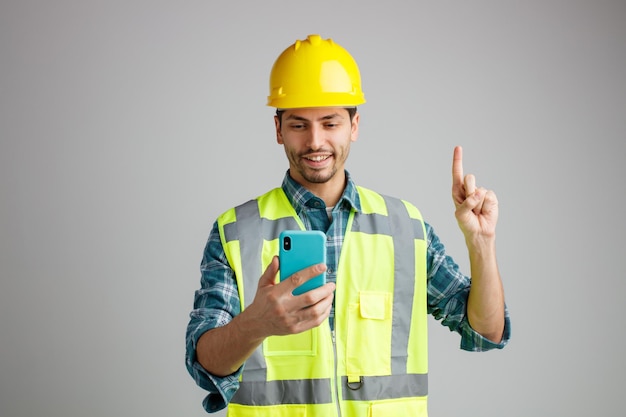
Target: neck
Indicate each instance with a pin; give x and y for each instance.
(329, 191)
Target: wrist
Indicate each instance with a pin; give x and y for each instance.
(481, 244)
(248, 327)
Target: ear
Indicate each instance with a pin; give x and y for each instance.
(354, 134)
(279, 136)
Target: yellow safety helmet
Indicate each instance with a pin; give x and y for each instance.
(315, 73)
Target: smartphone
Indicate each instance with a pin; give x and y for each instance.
(300, 249)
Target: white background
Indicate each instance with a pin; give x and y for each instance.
(126, 127)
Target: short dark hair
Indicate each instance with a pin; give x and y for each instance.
(279, 114)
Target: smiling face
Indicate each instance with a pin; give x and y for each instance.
(317, 144)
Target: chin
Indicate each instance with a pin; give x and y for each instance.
(320, 177)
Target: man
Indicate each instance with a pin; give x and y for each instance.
(356, 346)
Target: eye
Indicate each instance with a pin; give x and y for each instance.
(297, 126)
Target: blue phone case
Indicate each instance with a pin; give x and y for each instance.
(299, 249)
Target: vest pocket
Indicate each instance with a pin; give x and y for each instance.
(301, 344)
(368, 344)
(404, 407)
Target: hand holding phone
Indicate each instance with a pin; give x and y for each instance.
(298, 250)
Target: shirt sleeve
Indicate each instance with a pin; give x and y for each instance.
(448, 291)
(215, 304)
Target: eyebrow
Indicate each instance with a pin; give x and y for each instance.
(304, 119)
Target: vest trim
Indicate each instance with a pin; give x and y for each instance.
(270, 229)
(387, 387)
(251, 230)
(404, 264)
(317, 391)
(249, 224)
(374, 223)
(300, 391)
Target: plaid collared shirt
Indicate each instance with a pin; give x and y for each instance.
(217, 301)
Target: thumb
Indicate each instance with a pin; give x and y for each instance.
(269, 276)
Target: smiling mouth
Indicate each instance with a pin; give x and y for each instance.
(317, 158)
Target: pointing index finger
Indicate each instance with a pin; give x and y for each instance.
(457, 167)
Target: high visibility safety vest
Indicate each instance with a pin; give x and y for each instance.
(376, 362)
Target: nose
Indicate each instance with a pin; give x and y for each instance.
(316, 137)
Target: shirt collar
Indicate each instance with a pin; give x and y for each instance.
(301, 198)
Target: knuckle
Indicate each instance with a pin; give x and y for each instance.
(308, 298)
(272, 298)
(297, 278)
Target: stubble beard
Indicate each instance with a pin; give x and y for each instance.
(317, 177)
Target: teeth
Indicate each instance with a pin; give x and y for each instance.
(318, 158)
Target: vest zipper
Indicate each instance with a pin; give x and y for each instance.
(336, 377)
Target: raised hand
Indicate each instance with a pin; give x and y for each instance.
(476, 208)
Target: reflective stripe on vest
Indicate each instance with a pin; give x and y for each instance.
(388, 387)
(404, 264)
(251, 229)
(298, 391)
(318, 391)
